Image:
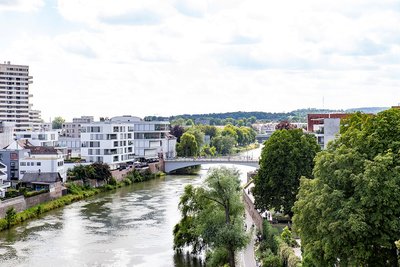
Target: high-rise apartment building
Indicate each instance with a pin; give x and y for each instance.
(14, 95)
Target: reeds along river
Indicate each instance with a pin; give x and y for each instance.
(128, 227)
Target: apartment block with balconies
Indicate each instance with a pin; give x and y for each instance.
(107, 142)
(14, 95)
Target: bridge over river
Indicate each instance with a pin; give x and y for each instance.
(178, 163)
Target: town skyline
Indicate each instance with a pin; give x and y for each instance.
(188, 57)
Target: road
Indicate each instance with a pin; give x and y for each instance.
(247, 257)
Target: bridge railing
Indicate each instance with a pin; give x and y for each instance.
(219, 159)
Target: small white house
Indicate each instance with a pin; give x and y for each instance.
(42, 159)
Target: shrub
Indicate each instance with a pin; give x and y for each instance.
(11, 215)
(35, 193)
(112, 181)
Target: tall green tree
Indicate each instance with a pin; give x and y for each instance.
(212, 218)
(223, 144)
(198, 134)
(57, 122)
(348, 215)
(187, 146)
(286, 156)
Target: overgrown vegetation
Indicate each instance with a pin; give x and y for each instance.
(276, 250)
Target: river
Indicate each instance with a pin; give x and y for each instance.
(131, 226)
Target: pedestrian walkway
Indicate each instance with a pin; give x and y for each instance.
(247, 257)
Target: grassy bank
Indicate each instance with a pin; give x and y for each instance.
(246, 148)
(75, 193)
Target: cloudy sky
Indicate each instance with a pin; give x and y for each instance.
(168, 57)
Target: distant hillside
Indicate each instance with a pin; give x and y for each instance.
(298, 115)
(372, 110)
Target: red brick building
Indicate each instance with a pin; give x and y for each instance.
(315, 119)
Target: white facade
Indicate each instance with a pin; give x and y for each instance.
(14, 95)
(35, 120)
(331, 130)
(151, 137)
(41, 138)
(169, 147)
(4, 184)
(107, 142)
(6, 133)
(73, 129)
(73, 146)
(42, 162)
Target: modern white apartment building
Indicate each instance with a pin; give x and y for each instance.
(14, 95)
(73, 129)
(151, 138)
(108, 142)
(40, 138)
(42, 159)
(70, 136)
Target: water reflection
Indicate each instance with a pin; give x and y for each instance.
(130, 227)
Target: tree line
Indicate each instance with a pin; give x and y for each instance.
(222, 141)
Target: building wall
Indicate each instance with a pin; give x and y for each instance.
(14, 95)
(6, 133)
(313, 119)
(107, 142)
(11, 159)
(73, 146)
(44, 163)
(331, 129)
(41, 138)
(20, 203)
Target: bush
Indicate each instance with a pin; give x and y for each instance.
(35, 193)
(11, 192)
(11, 215)
(287, 255)
(112, 181)
(127, 181)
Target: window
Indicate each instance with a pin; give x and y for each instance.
(38, 163)
(23, 163)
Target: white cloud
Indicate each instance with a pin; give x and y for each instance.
(169, 57)
(21, 5)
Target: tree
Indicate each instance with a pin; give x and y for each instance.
(212, 218)
(57, 122)
(230, 130)
(101, 171)
(208, 151)
(199, 136)
(349, 213)
(223, 144)
(209, 130)
(189, 122)
(188, 145)
(285, 125)
(177, 131)
(286, 156)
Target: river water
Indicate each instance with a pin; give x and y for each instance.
(131, 226)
